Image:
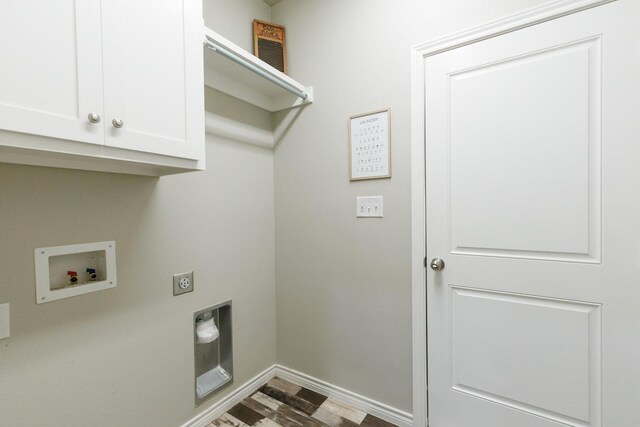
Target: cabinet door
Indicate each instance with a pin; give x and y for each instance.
(51, 72)
(153, 76)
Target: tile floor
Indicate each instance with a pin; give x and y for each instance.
(282, 403)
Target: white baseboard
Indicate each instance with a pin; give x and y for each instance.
(219, 408)
(370, 406)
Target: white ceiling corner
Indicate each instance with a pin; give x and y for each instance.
(271, 2)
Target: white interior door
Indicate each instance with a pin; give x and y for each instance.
(51, 69)
(154, 76)
(532, 173)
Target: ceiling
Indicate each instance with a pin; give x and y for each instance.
(271, 2)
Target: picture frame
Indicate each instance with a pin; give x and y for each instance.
(370, 145)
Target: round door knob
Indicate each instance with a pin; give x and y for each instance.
(437, 264)
(94, 117)
(117, 123)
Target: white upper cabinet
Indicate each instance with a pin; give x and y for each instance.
(112, 86)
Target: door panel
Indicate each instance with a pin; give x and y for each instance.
(149, 56)
(525, 352)
(511, 138)
(531, 167)
(51, 73)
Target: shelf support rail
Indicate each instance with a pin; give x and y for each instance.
(211, 44)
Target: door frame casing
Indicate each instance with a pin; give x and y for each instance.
(545, 12)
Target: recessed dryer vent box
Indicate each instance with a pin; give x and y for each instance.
(68, 271)
(213, 358)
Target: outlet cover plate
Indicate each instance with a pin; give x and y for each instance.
(182, 283)
(4, 321)
(369, 207)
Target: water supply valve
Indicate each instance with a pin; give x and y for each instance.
(73, 277)
(92, 274)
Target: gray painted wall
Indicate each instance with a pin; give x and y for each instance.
(124, 356)
(343, 284)
(233, 19)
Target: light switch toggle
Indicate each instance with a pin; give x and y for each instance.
(369, 207)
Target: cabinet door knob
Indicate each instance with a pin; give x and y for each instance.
(117, 123)
(94, 117)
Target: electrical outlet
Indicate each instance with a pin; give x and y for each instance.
(182, 283)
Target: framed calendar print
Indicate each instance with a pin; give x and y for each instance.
(370, 145)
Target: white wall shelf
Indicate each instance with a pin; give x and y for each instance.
(232, 70)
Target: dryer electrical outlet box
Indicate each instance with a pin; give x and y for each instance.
(182, 283)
